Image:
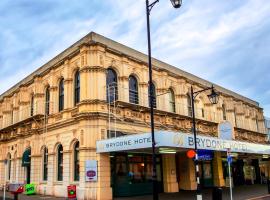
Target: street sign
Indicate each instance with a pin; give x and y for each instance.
(229, 159)
(191, 153)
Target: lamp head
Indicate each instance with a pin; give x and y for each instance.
(214, 96)
(176, 3)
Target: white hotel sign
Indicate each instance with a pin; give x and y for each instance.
(181, 140)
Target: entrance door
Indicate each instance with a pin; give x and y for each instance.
(26, 162)
(206, 174)
(28, 174)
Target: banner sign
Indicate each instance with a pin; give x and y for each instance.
(225, 130)
(90, 170)
(181, 140)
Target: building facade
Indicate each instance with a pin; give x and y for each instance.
(267, 126)
(97, 89)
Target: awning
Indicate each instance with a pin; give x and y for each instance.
(178, 140)
(26, 158)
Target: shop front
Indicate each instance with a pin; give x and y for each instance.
(131, 174)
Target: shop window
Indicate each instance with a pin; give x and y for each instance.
(47, 101)
(32, 106)
(61, 95)
(133, 90)
(224, 112)
(77, 88)
(111, 85)
(172, 100)
(76, 165)
(60, 163)
(45, 164)
(154, 98)
(189, 107)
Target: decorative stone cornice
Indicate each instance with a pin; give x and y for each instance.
(38, 95)
(123, 78)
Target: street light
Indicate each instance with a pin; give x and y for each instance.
(176, 4)
(213, 98)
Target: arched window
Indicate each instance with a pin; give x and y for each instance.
(45, 164)
(133, 90)
(32, 106)
(61, 95)
(111, 85)
(235, 117)
(47, 101)
(8, 166)
(76, 165)
(60, 163)
(154, 96)
(77, 88)
(189, 107)
(224, 112)
(202, 112)
(171, 100)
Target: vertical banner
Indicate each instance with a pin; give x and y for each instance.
(90, 170)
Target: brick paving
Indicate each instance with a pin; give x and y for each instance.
(247, 192)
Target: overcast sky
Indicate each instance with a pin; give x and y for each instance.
(226, 42)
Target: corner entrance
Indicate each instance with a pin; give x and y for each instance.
(132, 174)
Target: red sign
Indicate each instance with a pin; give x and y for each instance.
(91, 174)
(191, 153)
(71, 191)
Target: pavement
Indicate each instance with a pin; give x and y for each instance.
(247, 192)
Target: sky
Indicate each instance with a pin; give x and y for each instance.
(225, 42)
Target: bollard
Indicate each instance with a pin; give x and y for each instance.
(217, 193)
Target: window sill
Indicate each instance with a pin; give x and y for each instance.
(58, 183)
(75, 183)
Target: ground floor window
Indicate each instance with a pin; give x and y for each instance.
(132, 174)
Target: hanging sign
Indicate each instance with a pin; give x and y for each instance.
(205, 155)
(91, 170)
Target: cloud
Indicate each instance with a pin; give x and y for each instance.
(226, 42)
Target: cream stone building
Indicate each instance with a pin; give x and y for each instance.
(97, 89)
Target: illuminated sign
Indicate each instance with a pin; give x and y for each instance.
(181, 140)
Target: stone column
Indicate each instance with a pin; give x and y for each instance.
(218, 170)
(143, 94)
(85, 83)
(48, 189)
(66, 168)
(123, 88)
(2, 174)
(169, 173)
(35, 168)
(187, 179)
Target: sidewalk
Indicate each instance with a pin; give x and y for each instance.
(239, 193)
(247, 192)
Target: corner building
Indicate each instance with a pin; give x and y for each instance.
(90, 103)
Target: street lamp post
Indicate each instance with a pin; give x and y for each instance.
(149, 6)
(213, 97)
